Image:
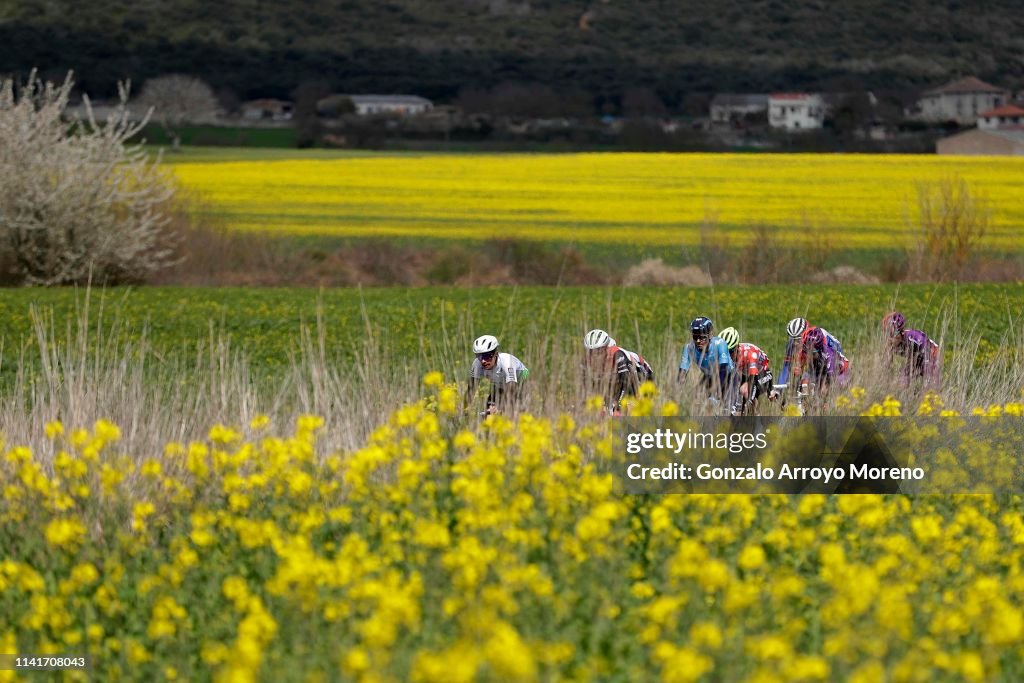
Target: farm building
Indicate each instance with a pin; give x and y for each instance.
(979, 142)
(726, 107)
(1006, 116)
(796, 111)
(367, 105)
(267, 109)
(961, 101)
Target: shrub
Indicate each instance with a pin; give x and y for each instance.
(951, 223)
(77, 201)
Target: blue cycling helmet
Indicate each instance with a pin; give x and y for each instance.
(701, 326)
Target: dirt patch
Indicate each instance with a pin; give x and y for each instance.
(844, 275)
(654, 271)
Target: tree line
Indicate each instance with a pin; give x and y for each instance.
(438, 48)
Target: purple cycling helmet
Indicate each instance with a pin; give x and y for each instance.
(815, 339)
(893, 323)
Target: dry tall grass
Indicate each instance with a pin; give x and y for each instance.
(81, 374)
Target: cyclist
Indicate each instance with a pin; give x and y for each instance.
(820, 362)
(613, 370)
(920, 354)
(708, 353)
(797, 328)
(752, 376)
(506, 373)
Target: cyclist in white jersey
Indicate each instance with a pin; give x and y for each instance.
(505, 372)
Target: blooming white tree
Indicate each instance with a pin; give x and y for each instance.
(177, 99)
(77, 201)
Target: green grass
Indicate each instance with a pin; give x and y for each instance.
(199, 153)
(224, 136)
(433, 327)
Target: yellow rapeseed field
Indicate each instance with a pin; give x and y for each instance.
(498, 553)
(658, 199)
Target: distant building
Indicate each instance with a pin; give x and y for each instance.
(103, 109)
(836, 100)
(961, 101)
(726, 108)
(403, 105)
(796, 111)
(267, 109)
(1006, 116)
(978, 142)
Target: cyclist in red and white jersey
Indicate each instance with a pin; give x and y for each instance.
(612, 370)
(752, 374)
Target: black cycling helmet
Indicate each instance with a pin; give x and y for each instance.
(701, 326)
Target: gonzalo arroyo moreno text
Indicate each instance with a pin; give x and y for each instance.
(675, 442)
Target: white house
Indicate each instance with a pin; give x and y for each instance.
(796, 111)
(405, 105)
(102, 109)
(728, 107)
(267, 109)
(961, 101)
(1006, 116)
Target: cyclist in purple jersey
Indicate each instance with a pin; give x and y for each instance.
(920, 354)
(819, 362)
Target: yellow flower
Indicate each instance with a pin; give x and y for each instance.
(508, 655)
(106, 432)
(221, 434)
(54, 430)
(259, 422)
(65, 533)
(751, 557)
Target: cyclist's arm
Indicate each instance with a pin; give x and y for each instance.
(831, 364)
(784, 375)
(725, 366)
(502, 390)
(475, 372)
(625, 380)
(684, 364)
(498, 395)
(918, 357)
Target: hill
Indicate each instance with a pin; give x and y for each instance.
(435, 47)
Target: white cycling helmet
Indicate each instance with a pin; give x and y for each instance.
(731, 337)
(597, 339)
(485, 344)
(796, 327)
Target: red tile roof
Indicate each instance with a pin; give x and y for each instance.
(964, 85)
(789, 95)
(1005, 110)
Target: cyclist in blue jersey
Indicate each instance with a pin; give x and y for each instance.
(711, 356)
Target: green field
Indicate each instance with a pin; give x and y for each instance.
(431, 328)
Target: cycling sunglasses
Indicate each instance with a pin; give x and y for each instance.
(486, 356)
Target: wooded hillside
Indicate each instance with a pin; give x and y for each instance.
(435, 47)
